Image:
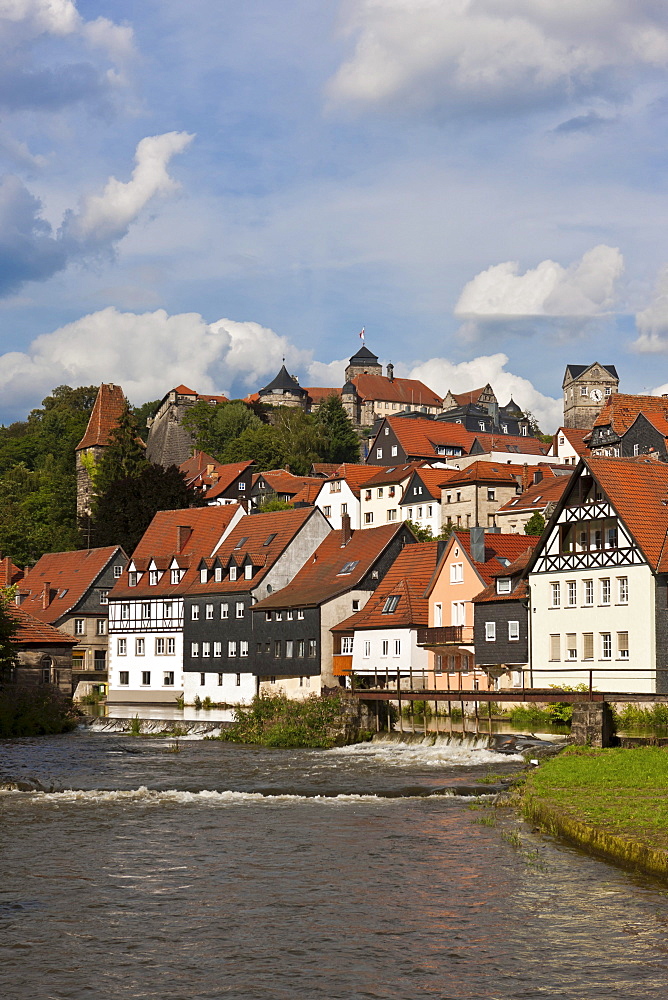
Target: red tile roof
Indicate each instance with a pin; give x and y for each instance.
(324, 469)
(419, 437)
(407, 578)
(69, 576)
(490, 594)
(392, 475)
(510, 443)
(538, 496)
(319, 394)
(308, 493)
(321, 579)
(575, 437)
(227, 474)
(497, 547)
(33, 632)
(107, 409)
(484, 472)
(464, 398)
(199, 529)
(657, 420)
(621, 410)
(353, 474)
(407, 391)
(9, 573)
(282, 481)
(434, 479)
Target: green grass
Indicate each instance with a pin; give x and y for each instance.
(620, 792)
(278, 721)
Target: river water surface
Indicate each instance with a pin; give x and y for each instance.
(224, 871)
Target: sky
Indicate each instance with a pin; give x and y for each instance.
(191, 192)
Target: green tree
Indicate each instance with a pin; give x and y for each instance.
(271, 505)
(216, 427)
(126, 508)
(535, 524)
(8, 631)
(261, 444)
(426, 534)
(141, 415)
(341, 443)
(124, 456)
(301, 439)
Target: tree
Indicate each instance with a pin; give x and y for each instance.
(271, 505)
(535, 524)
(142, 413)
(124, 511)
(341, 443)
(300, 439)
(216, 428)
(261, 444)
(426, 534)
(8, 631)
(124, 455)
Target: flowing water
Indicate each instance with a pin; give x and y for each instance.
(223, 871)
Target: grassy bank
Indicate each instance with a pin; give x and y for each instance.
(35, 711)
(612, 802)
(277, 721)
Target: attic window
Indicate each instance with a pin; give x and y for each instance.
(348, 568)
(218, 574)
(269, 540)
(203, 575)
(391, 604)
(242, 541)
(503, 585)
(513, 502)
(63, 592)
(132, 579)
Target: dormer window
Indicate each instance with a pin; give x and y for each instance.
(503, 585)
(248, 571)
(218, 574)
(203, 575)
(153, 577)
(132, 579)
(391, 604)
(233, 573)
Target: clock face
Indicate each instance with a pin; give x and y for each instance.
(596, 395)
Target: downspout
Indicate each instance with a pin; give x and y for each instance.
(476, 506)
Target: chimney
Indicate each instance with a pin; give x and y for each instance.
(478, 544)
(286, 468)
(346, 533)
(525, 477)
(46, 596)
(183, 533)
(390, 372)
(6, 572)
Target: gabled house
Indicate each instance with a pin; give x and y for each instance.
(479, 410)
(146, 606)
(539, 498)
(472, 496)
(599, 580)
(227, 483)
(501, 625)
(469, 563)
(337, 580)
(617, 417)
(568, 445)
(647, 435)
(381, 493)
(340, 494)
(379, 643)
(400, 440)
(279, 484)
(505, 448)
(44, 653)
(421, 501)
(70, 590)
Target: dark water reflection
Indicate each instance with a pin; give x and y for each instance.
(229, 893)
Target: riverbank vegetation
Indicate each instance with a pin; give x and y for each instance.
(611, 802)
(277, 721)
(35, 711)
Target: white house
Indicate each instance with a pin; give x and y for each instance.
(340, 494)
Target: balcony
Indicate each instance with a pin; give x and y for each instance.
(445, 635)
(342, 664)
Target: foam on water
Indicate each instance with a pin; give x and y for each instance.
(429, 753)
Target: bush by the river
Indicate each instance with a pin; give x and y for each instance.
(35, 711)
(278, 721)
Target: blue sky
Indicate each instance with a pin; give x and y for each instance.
(190, 191)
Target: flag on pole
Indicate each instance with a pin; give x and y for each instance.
(362, 334)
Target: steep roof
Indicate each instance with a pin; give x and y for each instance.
(363, 356)
(484, 472)
(199, 529)
(537, 496)
(574, 371)
(621, 410)
(501, 550)
(420, 437)
(69, 576)
(390, 476)
(226, 476)
(657, 420)
(107, 409)
(490, 594)
(433, 479)
(283, 381)
(575, 437)
(282, 481)
(407, 578)
(510, 443)
(472, 396)
(407, 391)
(33, 632)
(322, 577)
(324, 469)
(354, 475)
(308, 493)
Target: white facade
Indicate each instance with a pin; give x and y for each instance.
(382, 504)
(426, 515)
(146, 653)
(389, 651)
(562, 449)
(337, 498)
(221, 688)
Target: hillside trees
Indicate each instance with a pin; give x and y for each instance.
(340, 441)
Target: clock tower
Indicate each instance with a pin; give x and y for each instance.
(586, 388)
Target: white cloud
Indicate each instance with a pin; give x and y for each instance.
(106, 217)
(327, 374)
(652, 322)
(585, 288)
(147, 354)
(440, 374)
(27, 19)
(443, 52)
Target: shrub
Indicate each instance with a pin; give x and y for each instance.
(278, 721)
(35, 711)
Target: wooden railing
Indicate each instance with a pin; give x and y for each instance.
(445, 635)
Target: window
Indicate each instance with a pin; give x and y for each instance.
(167, 609)
(279, 616)
(224, 611)
(218, 574)
(430, 510)
(327, 511)
(220, 680)
(367, 494)
(356, 605)
(146, 678)
(391, 604)
(348, 568)
(391, 491)
(168, 678)
(392, 515)
(238, 677)
(583, 390)
(503, 585)
(623, 645)
(217, 649)
(159, 647)
(239, 609)
(132, 579)
(438, 664)
(513, 631)
(194, 612)
(104, 597)
(419, 512)
(393, 451)
(124, 677)
(458, 613)
(203, 575)
(101, 628)
(347, 644)
(233, 573)
(241, 485)
(140, 647)
(175, 576)
(202, 680)
(289, 648)
(611, 537)
(379, 492)
(606, 645)
(623, 589)
(571, 647)
(368, 518)
(122, 647)
(267, 616)
(379, 452)
(300, 613)
(194, 649)
(465, 663)
(209, 612)
(491, 494)
(171, 647)
(277, 647)
(367, 649)
(571, 593)
(243, 647)
(206, 649)
(344, 508)
(118, 572)
(79, 626)
(231, 648)
(456, 572)
(397, 647)
(555, 647)
(490, 631)
(588, 646)
(588, 593)
(301, 646)
(312, 648)
(385, 647)
(555, 591)
(335, 487)
(605, 591)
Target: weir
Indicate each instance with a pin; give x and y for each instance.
(157, 727)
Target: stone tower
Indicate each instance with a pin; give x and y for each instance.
(586, 388)
(284, 390)
(363, 363)
(107, 409)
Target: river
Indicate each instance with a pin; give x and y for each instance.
(237, 872)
